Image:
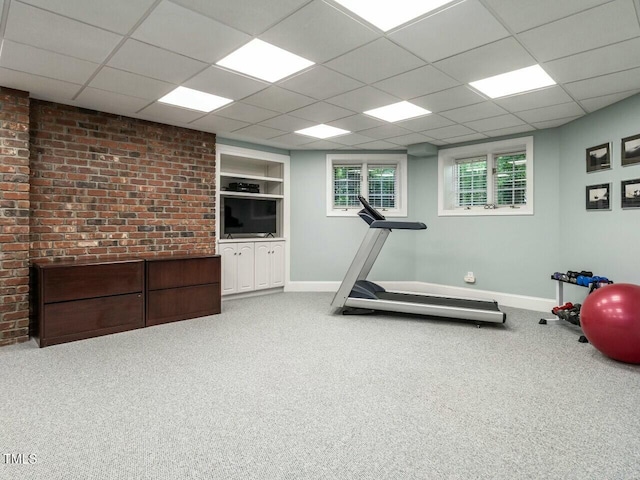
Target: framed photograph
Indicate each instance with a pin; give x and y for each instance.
(599, 157)
(630, 150)
(598, 197)
(630, 193)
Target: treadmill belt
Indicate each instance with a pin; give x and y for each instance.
(445, 301)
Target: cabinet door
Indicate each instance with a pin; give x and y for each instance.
(229, 256)
(277, 264)
(245, 267)
(262, 265)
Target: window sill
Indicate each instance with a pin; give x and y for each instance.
(482, 212)
(354, 213)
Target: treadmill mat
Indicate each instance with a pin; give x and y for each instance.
(443, 301)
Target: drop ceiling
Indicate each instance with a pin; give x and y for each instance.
(121, 56)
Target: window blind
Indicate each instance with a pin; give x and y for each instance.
(383, 185)
(346, 185)
(510, 179)
(470, 181)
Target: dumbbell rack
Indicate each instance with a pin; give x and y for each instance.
(560, 301)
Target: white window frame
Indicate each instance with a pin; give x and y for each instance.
(446, 165)
(366, 160)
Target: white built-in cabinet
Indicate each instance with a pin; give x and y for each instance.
(253, 263)
(269, 265)
(238, 261)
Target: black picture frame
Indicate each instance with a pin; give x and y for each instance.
(630, 193)
(630, 150)
(599, 157)
(598, 197)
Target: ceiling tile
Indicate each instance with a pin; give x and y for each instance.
(352, 139)
(551, 113)
(509, 131)
(249, 16)
(467, 138)
(321, 112)
(25, 58)
(278, 99)
(319, 32)
(38, 86)
(320, 83)
(473, 112)
(378, 145)
(416, 83)
(259, 132)
(494, 123)
(246, 113)
(554, 123)
(116, 15)
(159, 112)
(522, 15)
(154, 62)
(110, 102)
(593, 104)
(184, 31)
(605, 85)
(448, 99)
(356, 123)
(439, 143)
(322, 145)
(287, 123)
(375, 61)
(223, 83)
(448, 132)
(32, 26)
(385, 131)
(217, 124)
(536, 99)
(293, 139)
(410, 139)
(498, 57)
(362, 99)
(465, 26)
(126, 83)
(427, 122)
(600, 26)
(609, 59)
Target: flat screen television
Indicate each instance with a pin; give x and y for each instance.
(249, 216)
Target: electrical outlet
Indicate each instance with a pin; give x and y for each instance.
(469, 278)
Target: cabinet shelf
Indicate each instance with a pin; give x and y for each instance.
(229, 193)
(247, 176)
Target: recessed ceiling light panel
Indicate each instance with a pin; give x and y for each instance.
(387, 14)
(518, 81)
(398, 111)
(322, 131)
(264, 61)
(194, 99)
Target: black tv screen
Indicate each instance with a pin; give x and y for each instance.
(249, 216)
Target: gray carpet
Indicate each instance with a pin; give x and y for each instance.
(279, 387)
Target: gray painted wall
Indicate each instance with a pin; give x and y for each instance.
(605, 242)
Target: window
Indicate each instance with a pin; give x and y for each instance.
(494, 178)
(380, 178)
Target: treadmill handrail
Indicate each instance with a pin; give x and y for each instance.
(397, 225)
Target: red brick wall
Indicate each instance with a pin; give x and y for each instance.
(14, 216)
(107, 186)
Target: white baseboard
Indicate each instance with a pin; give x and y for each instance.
(537, 304)
(254, 293)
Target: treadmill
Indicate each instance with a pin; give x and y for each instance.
(358, 295)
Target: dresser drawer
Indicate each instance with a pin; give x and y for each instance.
(182, 272)
(66, 321)
(73, 282)
(182, 303)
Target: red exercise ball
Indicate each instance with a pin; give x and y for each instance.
(610, 319)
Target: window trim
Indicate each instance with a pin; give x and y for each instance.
(447, 158)
(388, 159)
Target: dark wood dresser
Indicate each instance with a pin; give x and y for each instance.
(83, 300)
(182, 287)
(77, 300)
